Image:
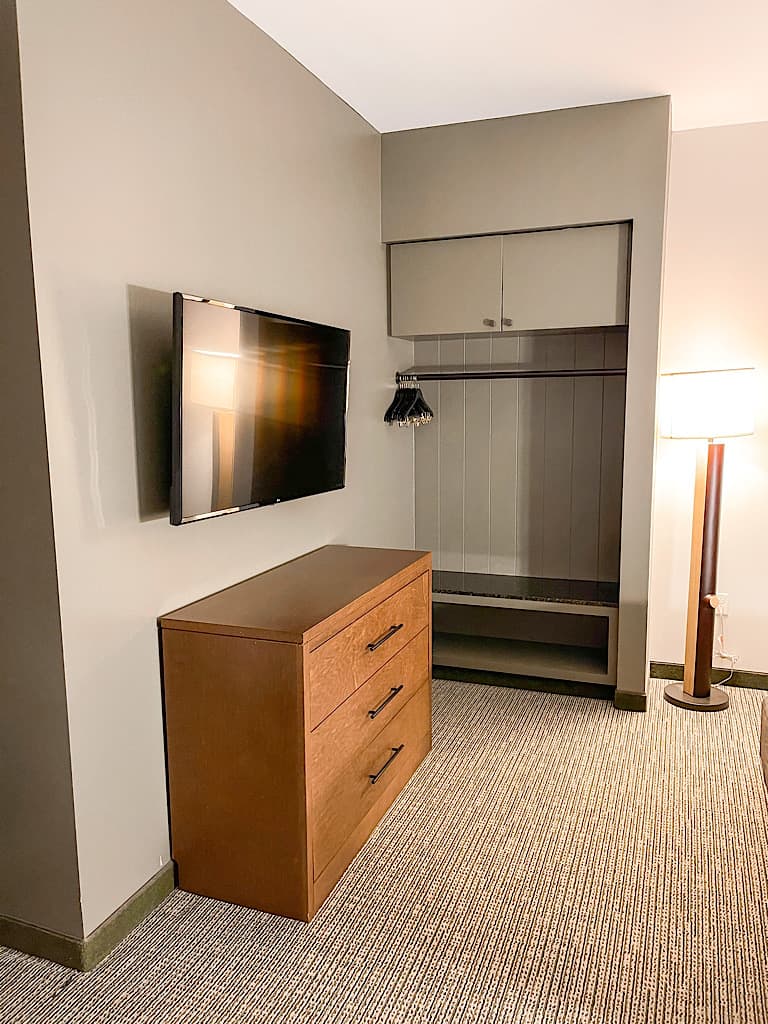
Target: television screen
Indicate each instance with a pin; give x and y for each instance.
(260, 406)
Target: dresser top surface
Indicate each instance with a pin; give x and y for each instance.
(292, 600)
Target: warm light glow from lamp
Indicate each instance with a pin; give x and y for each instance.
(706, 405)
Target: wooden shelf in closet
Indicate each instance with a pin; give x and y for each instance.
(519, 657)
(525, 625)
(525, 588)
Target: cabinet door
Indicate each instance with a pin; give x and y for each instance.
(572, 277)
(445, 287)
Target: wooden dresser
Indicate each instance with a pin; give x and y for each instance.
(297, 706)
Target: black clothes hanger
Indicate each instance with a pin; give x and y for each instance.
(408, 408)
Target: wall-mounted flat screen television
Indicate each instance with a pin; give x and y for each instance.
(259, 408)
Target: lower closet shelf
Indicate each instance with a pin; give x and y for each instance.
(520, 657)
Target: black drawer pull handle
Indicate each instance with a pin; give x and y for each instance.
(383, 639)
(392, 694)
(395, 751)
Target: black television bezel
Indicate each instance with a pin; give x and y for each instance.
(176, 516)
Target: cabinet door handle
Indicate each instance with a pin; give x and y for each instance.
(506, 322)
(383, 639)
(392, 694)
(488, 322)
(395, 751)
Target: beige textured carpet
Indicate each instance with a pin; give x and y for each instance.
(554, 860)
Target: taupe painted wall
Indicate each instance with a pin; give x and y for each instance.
(565, 167)
(177, 147)
(716, 315)
(38, 856)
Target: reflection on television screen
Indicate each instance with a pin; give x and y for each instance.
(261, 408)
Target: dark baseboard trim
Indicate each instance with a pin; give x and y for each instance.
(625, 701)
(27, 938)
(566, 686)
(84, 954)
(674, 671)
(112, 931)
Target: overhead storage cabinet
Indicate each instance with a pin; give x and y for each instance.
(446, 287)
(567, 278)
(576, 277)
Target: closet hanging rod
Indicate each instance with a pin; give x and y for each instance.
(457, 373)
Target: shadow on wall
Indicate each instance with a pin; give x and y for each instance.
(150, 316)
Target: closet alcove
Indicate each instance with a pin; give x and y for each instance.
(518, 480)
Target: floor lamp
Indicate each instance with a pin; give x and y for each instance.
(708, 406)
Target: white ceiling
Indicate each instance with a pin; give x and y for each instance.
(410, 63)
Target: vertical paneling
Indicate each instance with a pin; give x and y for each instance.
(477, 444)
(530, 459)
(587, 447)
(505, 351)
(558, 459)
(614, 397)
(523, 477)
(450, 426)
(427, 462)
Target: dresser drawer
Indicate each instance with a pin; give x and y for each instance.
(386, 763)
(340, 665)
(354, 725)
(354, 842)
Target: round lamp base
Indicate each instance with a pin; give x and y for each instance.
(716, 701)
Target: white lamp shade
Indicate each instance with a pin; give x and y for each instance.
(707, 404)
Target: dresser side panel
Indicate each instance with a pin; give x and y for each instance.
(236, 769)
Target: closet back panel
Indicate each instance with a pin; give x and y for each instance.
(523, 477)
